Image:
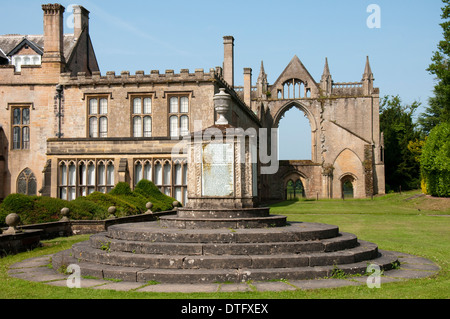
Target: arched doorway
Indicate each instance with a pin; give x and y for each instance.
(347, 188)
(294, 190)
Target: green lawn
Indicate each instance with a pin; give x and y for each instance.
(417, 226)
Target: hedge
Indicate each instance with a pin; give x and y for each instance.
(435, 161)
(39, 209)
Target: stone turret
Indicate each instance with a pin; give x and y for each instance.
(326, 82)
(261, 83)
(367, 79)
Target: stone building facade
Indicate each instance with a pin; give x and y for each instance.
(67, 130)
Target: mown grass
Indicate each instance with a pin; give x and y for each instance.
(396, 222)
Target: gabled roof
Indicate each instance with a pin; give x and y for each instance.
(295, 69)
(3, 55)
(24, 42)
(9, 42)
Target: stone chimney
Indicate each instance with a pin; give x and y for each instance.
(80, 19)
(228, 60)
(248, 86)
(53, 36)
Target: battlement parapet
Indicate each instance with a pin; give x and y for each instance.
(140, 77)
(347, 88)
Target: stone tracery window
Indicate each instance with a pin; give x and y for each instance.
(21, 127)
(83, 177)
(170, 176)
(26, 182)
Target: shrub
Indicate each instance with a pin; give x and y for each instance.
(435, 161)
(17, 203)
(41, 209)
(121, 188)
(152, 194)
(123, 208)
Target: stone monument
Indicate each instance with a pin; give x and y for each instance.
(222, 234)
(222, 178)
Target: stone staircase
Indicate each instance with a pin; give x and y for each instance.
(222, 246)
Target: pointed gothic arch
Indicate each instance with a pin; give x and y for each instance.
(312, 122)
(26, 182)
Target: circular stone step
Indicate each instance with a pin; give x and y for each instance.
(85, 252)
(152, 232)
(385, 260)
(193, 250)
(102, 242)
(214, 223)
(223, 213)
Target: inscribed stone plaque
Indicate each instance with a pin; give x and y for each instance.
(218, 169)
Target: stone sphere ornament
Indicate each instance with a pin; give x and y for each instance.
(112, 212)
(64, 213)
(12, 220)
(149, 207)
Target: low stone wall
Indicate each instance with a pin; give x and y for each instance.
(19, 242)
(29, 236)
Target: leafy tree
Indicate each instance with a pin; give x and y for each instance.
(402, 171)
(438, 110)
(435, 161)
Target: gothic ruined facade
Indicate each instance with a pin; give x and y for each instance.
(66, 130)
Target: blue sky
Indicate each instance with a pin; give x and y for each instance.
(172, 34)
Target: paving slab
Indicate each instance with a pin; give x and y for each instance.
(272, 286)
(322, 283)
(183, 288)
(409, 274)
(242, 287)
(32, 262)
(120, 286)
(35, 269)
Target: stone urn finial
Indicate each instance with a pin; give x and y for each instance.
(112, 212)
(12, 220)
(64, 212)
(149, 207)
(222, 103)
(176, 204)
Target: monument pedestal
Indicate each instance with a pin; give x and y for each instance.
(221, 235)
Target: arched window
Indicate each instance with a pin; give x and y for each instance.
(167, 178)
(158, 174)
(26, 182)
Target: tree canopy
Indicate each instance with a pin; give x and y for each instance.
(438, 110)
(402, 170)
